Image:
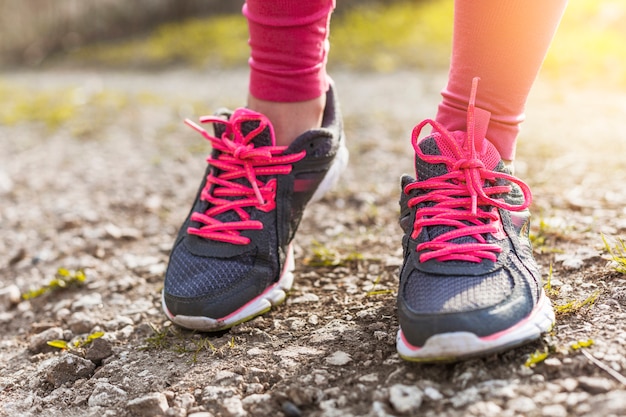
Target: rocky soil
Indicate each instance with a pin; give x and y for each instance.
(104, 193)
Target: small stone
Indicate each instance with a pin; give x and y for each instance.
(611, 403)
(176, 412)
(405, 399)
(338, 358)
(554, 410)
(232, 407)
(201, 414)
(290, 409)
(594, 385)
(98, 350)
(521, 404)
(569, 384)
(227, 378)
(149, 405)
(67, 368)
(81, 322)
(485, 409)
(106, 395)
(9, 297)
(87, 302)
(305, 395)
(212, 394)
(254, 399)
(433, 394)
(118, 323)
(553, 363)
(184, 400)
(369, 378)
(39, 343)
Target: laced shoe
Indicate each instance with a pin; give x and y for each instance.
(469, 285)
(233, 259)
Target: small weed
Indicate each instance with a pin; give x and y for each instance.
(536, 357)
(78, 344)
(581, 344)
(64, 279)
(542, 236)
(539, 356)
(551, 292)
(374, 291)
(170, 338)
(575, 305)
(617, 253)
(327, 257)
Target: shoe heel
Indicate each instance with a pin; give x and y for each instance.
(332, 176)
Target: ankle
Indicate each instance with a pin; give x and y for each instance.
(290, 119)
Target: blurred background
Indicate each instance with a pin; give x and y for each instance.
(154, 34)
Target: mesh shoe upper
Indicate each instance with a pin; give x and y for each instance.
(233, 244)
(468, 264)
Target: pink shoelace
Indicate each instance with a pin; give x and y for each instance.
(460, 196)
(239, 158)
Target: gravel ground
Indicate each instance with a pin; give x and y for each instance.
(105, 191)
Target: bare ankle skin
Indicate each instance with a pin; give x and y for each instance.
(290, 119)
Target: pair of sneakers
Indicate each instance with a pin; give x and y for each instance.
(469, 285)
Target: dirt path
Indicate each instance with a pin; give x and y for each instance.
(106, 190)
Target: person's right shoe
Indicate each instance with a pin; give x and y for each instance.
(233, 259)
(469, 285)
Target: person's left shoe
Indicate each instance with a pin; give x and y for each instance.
(469, 285)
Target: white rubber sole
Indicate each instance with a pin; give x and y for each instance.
(272, 296)
(449, 347)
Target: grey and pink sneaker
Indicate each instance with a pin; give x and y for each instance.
(469, 285)
(233, 259)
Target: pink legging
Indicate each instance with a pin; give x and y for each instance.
(502, 42)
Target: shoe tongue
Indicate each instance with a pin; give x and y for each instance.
(248, 121)
(436, 144)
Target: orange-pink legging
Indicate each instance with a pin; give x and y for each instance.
(503, 42)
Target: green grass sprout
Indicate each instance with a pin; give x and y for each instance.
(374, 291)
(550, 291)
(581, 344)
(576, 305)
(327, 257)
(78, 344)
(63, 279)
(617, 253)
(535, 358)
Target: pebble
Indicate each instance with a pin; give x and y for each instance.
(87, 302)
(184, 400)
(554, 410)
(149, 405)
(433, 394)
(225, 378)
(66, 368)
(38, 343)
(98, 350)
(106, 395)
(485, 409)
(233, 407)
(594, 385)
(290, 409)
(405, 399)
(201, 414)
(9, 297)
(521, 404)
(611, 403)
(338, 358)
(212, 394)
(81, 322)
